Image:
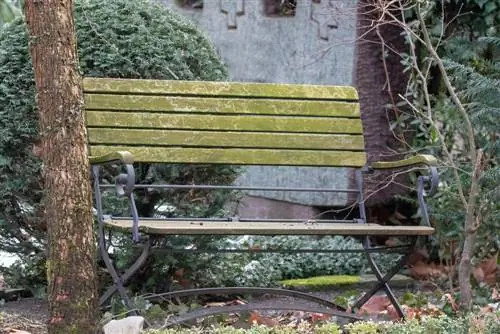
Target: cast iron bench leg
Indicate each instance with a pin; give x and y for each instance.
(118, 280)
(383, 280)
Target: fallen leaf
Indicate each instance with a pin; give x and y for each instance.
(421, 270)
(257, 319)
(418, 255)
(392, 314)
(451, 301)
(319, 317)
(486, 271)
(478, 274)
(495, 296)
(375, 305)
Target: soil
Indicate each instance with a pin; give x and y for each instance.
(31, 314)
(26, 314)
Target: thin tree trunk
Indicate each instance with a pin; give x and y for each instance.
(471, 226)
(71, 272)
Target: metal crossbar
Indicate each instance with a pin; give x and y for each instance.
(220, 187)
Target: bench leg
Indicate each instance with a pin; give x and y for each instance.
(118, 280)
(383, 280)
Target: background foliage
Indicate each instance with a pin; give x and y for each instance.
(468, 36)
(125, 39)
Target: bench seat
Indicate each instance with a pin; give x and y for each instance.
(192, 227)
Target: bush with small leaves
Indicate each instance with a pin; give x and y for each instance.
(120, 39)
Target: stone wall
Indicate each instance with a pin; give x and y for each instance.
(313, 46)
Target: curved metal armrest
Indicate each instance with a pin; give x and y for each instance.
(124, 183)
(427, 185)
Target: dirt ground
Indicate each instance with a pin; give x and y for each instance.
(27, 314)
(30, 314)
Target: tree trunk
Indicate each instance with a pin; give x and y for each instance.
(379, 78)
(71, 271)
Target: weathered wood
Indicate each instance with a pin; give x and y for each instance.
(228, 123)
(118, 156)
(421, 159)
(268, 228)
(224, 139)
(238, 156)
(205, 88)
(221, 105)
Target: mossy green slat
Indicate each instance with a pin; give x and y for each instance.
(210, 88)
(221, 105)
(112, 156)
(421, 159)
(229, 123)
(237, 156)
(224, 139)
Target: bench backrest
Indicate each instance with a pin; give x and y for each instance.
(225, 122)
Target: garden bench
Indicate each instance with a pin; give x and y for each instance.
(189, 122)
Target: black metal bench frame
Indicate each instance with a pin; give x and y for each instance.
(125, 185)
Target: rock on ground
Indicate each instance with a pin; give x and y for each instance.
(129, 325)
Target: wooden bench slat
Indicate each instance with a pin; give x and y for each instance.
(224, 139)
(221, 105)
(238, 156)
(205, 88)
(228, 123)
(269, 228)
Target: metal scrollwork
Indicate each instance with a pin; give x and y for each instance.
(125, 182)
(432, 182)
(124, 185)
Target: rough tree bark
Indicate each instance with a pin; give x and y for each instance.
(379, 78)
(71, 272)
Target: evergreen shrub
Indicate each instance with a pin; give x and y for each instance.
(119, 39)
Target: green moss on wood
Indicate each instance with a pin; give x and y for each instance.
(320, 282)
(236, 89)
(421, 159)
(224, 122)
(237, 156)
(221, 139)
(222, 105)
(116, 156)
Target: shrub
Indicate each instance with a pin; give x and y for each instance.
(266, 269)
(121, 38)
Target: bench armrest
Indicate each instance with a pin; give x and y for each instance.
(124, 157)
(124, 184)
(421, 159)
(427, 185)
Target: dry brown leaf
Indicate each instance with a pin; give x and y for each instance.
(495, 296)
(319, 317)
(422, 270)
(257, 319)
(375, 305)
(478, 274)
(486, 271)
(392, 314)
(451, 300)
